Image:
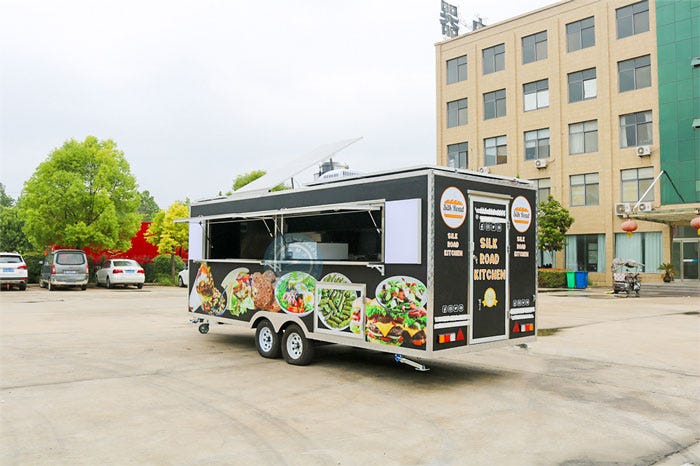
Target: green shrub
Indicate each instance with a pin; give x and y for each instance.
(33, 266)
(162, 265)
(551, 278)
(164, 279)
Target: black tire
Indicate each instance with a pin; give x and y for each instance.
(296, 348)
(139, 285)
(83, 287)
(107, 283)
(203, 329)
(180, 283)
(22, 286)
(267, 341)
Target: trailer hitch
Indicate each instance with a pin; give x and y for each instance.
(418, 366)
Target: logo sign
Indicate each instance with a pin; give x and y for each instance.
(453, 207)
(521, 214)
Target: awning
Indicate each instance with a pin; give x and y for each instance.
(673, 214)
(327, 208)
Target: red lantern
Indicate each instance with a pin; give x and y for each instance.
(629, 226)
(695, 223)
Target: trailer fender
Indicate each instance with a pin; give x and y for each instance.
(279, 321)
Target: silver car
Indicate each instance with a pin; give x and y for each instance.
(13, 271)
(64, 267)
(120, 272)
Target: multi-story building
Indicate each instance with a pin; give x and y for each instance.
(598, 103)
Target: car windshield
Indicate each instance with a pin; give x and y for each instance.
(70, 258)
(10, 260)
(124, 263)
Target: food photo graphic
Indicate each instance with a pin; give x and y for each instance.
(396, 316)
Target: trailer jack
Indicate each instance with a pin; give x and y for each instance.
(416, 365)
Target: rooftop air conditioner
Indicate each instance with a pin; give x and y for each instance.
(644, 207)
(623, 208)
(541, 163)
(643, 150)
(483, 169)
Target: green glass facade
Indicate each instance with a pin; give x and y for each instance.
(678, 39)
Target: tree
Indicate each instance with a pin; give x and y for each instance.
(11, 236)
(5, 200)
(553, 221)
(244, 179)
(168, 235)
(83, 194)
(148, 208)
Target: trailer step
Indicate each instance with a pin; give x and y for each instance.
(418, 366)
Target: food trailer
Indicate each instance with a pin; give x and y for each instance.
(422, 263)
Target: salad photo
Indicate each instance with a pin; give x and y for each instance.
(401, 293)
(295, 293)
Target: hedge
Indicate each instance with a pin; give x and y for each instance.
(551, 278)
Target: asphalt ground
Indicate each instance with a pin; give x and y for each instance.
(121, 377)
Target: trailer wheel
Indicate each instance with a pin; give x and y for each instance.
(203, 328)
(296, 348)
(267, 341)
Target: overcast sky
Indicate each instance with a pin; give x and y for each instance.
(197, 92)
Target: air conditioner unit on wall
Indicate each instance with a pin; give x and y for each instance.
(623, 208)
(644, 207)
(541, 163)
(483, 169)
(643, 150)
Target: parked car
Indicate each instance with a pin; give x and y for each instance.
(64, 267)
(183, 278)
(13, 271)
(120, 272)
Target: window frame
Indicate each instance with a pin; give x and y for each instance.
(459, 70)
(639, 183)
(496, 101)
(590, 183)
(460, 152)
(584, 133)
(632, 13)
(500, 144)
(457, 112)
(576, 30)
(542, 185)
(532, 43)
(642, 63)
(538, 146)
(647, 124)
(540, 93)
(493, 58)
(579, 81)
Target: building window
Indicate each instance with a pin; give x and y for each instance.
(644, 248)
(457, 113)
(537, 144)
(634, 73)
(457, 155)
(494, 58)
(544, 188)
(584, 189)
(535, 47)
(634, 182)
(632, 19)
(635, 129)
(582, 85)
(457, 69)
(495, 104)
(585, 252)
(583, 137)
(495, 151)
(536, 95)
(580, 34)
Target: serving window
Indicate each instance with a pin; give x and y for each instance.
(337, 233)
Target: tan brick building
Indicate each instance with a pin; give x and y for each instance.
(568, 96)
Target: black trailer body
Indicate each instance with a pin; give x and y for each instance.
(421, 263)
